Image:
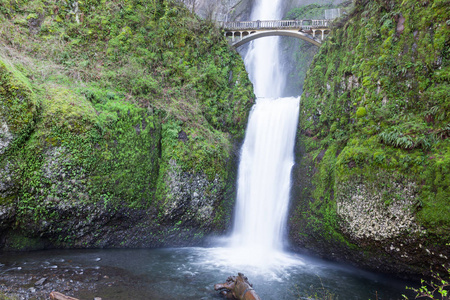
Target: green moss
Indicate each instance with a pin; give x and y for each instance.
(435, 209)
(361, 112)
(299, 51)
(127, 159)
(17, 241)
(124, 91)
(17, 100)
(65, 110)
(386, 110)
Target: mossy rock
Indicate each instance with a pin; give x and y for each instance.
(125, 91)
(391, 147)
(16, 241)
(361, 112)
(18, 103)
(67, 111)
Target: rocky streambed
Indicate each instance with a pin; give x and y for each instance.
(36, 280)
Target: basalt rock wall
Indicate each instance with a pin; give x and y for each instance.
(118, 125)
(372, 176)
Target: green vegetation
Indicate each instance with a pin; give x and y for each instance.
(311, 11)
(437, 289)
(302, 52)
(101, 95)
(19, 104)
(375, 114)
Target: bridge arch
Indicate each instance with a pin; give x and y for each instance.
(259, 34)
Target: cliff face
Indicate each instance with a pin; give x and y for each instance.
(298, 54)
(118, 125)
(222, 10)
(372, 179)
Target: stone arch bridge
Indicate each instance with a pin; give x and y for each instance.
(239, 33)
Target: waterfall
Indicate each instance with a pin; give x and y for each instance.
(267, 153)
(262, 60)
(264, 174)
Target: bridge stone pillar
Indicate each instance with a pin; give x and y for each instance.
(322, 33)
(314, 33)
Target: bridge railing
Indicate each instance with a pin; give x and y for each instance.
(274, 24)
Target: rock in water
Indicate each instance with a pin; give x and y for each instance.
(40, 282)
(237, 287)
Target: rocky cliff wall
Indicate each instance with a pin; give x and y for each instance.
(224, 10)
(118, 125)
(372, 178)
(239, 10)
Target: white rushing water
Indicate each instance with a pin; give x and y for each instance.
(262, 60)
(267, 155)
(264, 174)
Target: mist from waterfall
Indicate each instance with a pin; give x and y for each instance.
(267, 155)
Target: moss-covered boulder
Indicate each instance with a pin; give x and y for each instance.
(18, 106)
(372, 179)
(18, 113)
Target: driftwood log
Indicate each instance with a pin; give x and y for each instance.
(237, 288)
(59, 296)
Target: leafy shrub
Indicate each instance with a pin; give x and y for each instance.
(436, 289)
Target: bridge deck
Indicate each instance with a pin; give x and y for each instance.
(240, 33)
(275, 24)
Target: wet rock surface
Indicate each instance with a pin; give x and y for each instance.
(70, 218)
(191, 197)
(372, 215)
(5, 136)
(94, 226)
(378, 214)
(36, 280)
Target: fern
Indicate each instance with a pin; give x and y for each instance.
(404, 142)
(394, 137)
(443, 133)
